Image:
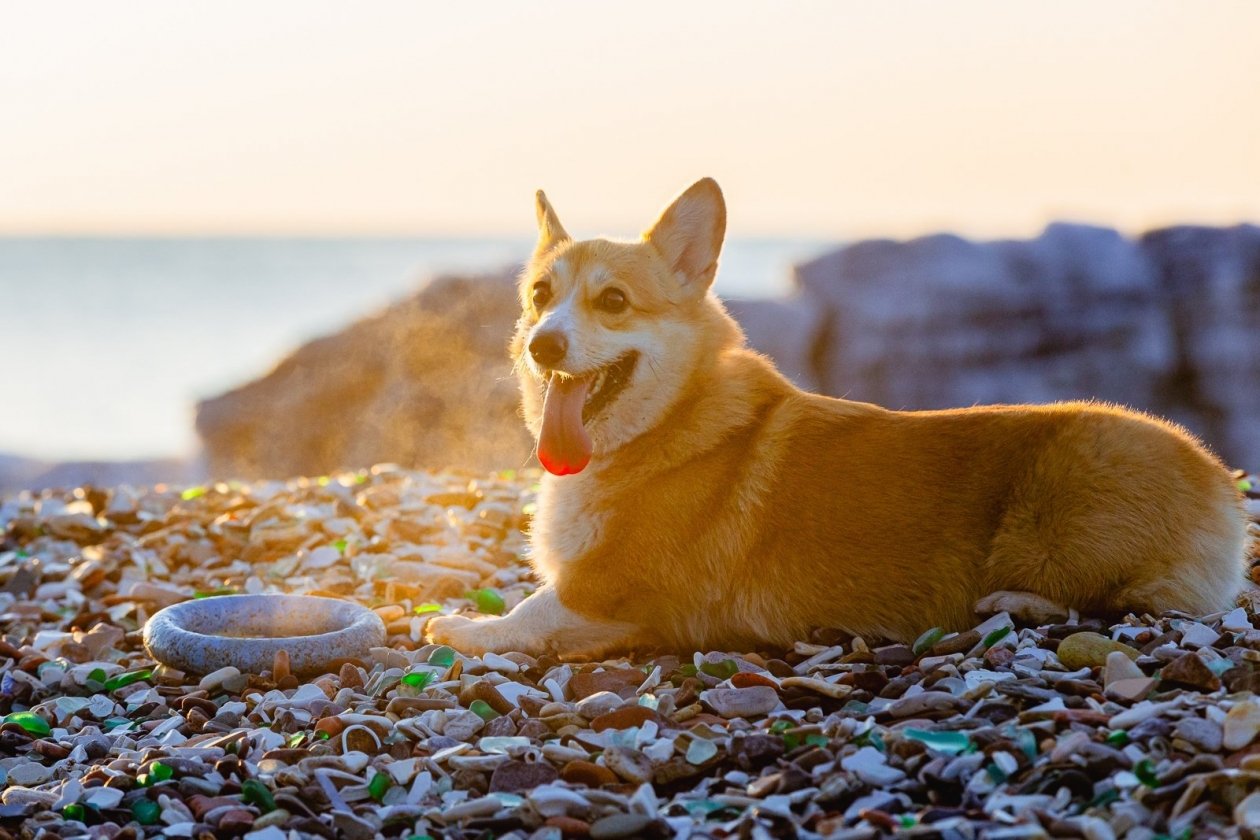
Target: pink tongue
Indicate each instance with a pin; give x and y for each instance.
(563, 446)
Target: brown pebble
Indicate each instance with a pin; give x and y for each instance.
(558, 722)
(997, 657)
(534, 730)
(473, 781)
(688, 692)
(349, 676)
(389, 613)
(280, 665)
(1189, 671)
(580, 772)
(872, 680)
(332, 724)
(533, 705)
(961, 643)
(624, 718)
(500, 727)
(746, 679)
(235, 821)
(484, 691)
(360, 740)
(623, 682)
(779, 668)
(519, 776)
(50, 749)
(406, 706)
(898, 655)
(286, 755)
(200, 804)
(569, 826)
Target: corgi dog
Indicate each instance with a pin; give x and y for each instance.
(695, 499)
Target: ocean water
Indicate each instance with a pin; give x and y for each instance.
(107, 344)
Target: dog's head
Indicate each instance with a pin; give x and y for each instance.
(610, 331)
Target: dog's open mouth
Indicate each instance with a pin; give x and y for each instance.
(571, 402)
(608, 382)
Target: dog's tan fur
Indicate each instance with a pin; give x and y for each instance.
(724, 508)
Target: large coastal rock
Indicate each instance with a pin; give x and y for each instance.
(943, 321)
(426, 382)
(1210, 278)
(1169, 324)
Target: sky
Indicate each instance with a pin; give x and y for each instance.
(831, 119)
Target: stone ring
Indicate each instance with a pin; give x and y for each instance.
(246, 631)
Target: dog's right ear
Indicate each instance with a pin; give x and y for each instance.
(550, 232)
(689, 234)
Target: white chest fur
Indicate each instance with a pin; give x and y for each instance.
(568, 525)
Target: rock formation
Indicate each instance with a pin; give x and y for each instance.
(1169, 323)
(427, 381)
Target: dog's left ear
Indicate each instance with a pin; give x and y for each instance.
(550, 232)
(689, 234)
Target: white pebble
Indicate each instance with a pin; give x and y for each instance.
(1235, 621)
(217, 678)
(869, 765)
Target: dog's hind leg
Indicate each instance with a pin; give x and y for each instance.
(1026, 607)
(539, 624)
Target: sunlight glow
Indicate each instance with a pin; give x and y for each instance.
(839, 119)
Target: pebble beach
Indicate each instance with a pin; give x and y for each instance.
(1142, 729)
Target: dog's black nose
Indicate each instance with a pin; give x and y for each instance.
(548, 348)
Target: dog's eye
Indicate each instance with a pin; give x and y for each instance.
(612, 300)
(541, 295)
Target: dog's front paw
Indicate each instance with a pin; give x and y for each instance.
(461, 633)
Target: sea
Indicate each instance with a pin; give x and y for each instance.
(106, 344)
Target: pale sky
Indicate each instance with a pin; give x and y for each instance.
(829, 118)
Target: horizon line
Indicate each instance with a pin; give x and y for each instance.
(466, 236)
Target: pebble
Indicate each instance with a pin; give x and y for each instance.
(1119, 666)
(1247, 812)
(1242, 723)
(626, 717)
(1202, 734)
(554, 801)
(463, 726)
(1236, 621)
(599, 703)
(924, 703)
(1195, 634)
(1087, 650)
(741, 702)
(518, 776)
(616, 826)
(629, 764)
(1131, 690)
(216, 679)
(620, 681)
(870, 765)
(271, 832)
(29, 774)
(582, 772)
(1190, 671)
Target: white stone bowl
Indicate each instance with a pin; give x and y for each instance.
(245, 631)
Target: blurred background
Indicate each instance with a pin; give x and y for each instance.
(243, 239)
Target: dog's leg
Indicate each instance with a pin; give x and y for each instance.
(539, 624)
(1024, 606)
